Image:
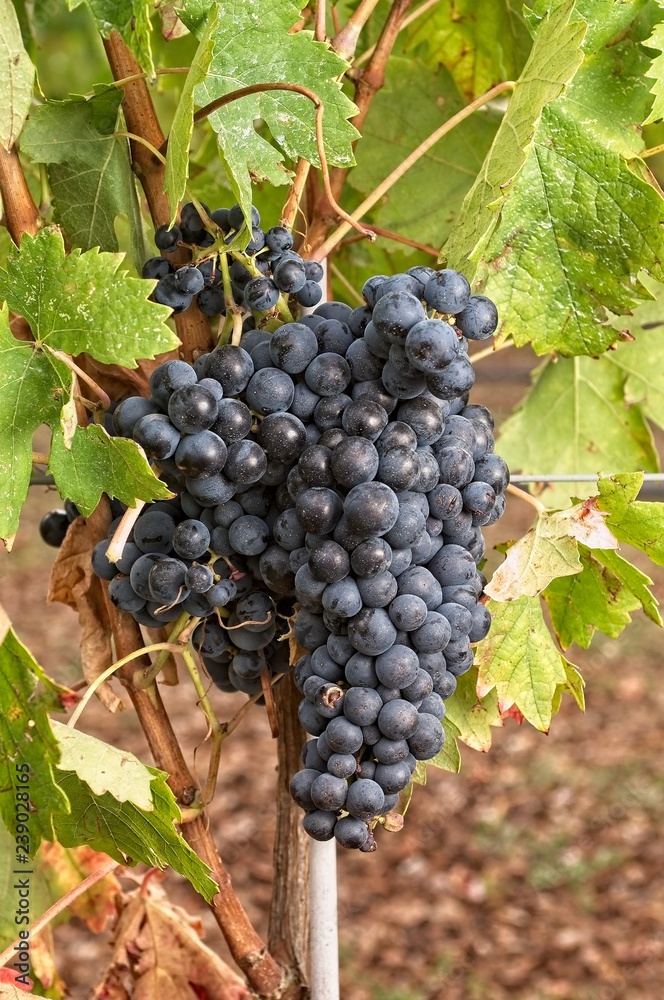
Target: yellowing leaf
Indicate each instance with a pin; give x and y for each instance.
(550, 550)
(17, 76)
(472, 716)
(519, 660)
(104, 768)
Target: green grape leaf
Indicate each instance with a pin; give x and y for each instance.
(656, 72)
(76, 303)
(472, 716)
(33, 388)
(403, 113)
(641, 361)
(182, 127)
(130, 18)
(606, 19)
(29, 753)
(574, 685)
(480, 42)
(633, 521)
(253, 45)
(96, 463)
(89, 170)
(519, 660)
(556, 55)
(449, 758)
(130, 824)
(549, 257)
(554, 265)
(17, 76)
(595, 598)
(633, 580)
(83, 302)
(550, 549)
(574, 420)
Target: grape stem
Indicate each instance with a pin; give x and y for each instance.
(169, 647)
(335, 238)
(258, 88)
(343, 280)
(166, 71)
(215, 728)
(179, 634)
(527, 497)
(40, 458)
(652, 152)
(67, 360)
(59, 907)
(398, 238)
(123, 531)
(270, 707)
(487, 352)
(143, 142)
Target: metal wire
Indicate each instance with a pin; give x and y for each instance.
(578, 477)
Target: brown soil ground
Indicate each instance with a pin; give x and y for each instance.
(537, 873)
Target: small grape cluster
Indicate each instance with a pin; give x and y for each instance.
(270, 265)
(169, 566)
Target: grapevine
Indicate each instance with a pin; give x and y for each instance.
(278, 483)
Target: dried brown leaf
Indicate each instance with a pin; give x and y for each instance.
(160, 945)
(73, 583)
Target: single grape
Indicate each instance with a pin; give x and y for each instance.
(53, 527)
(479, 319)
(447, 291)
(166, 239)
(157, 436)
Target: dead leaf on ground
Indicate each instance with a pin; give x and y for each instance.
(73, 583)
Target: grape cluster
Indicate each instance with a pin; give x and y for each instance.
(393, 496)
(271, 266)
(172, 563)
(333, 467)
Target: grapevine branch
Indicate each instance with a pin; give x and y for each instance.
(488, 352)
(367, 84)
(245, 945)
(20, 211)
(373, 77)
(288, 933)
(292, 206)
(295, 88)
(335, 238)
(404, 24)
(192, 326)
